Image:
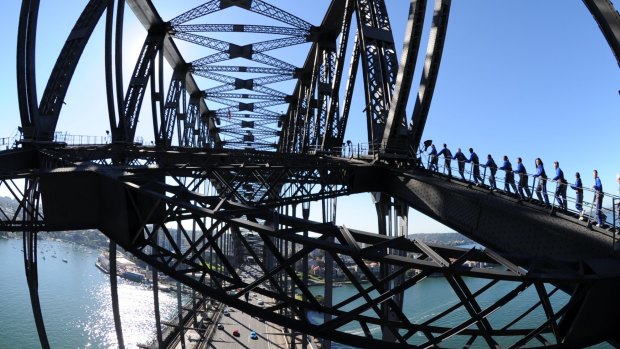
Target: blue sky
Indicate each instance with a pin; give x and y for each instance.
(529, 78)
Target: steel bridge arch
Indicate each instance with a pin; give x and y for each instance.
(39, 120)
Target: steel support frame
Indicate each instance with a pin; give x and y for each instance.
(379, 65)
(281, 71)
(398, 255)
(393, 252)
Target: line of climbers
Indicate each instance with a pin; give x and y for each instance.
(521, 188)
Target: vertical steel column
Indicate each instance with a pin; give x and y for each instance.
(174, 108)
(309, 101)
(109, 70)
(26, 77)
(114, 293)
(181, 325)
(400, 224)
(30, 214)
(194, 293)
(329, 264)
(392, 221)
(155, 277)
(119, 131)
(326, 74)
(305, 213)
(382, 205)
(334, 121)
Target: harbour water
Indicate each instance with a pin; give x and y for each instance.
(75, 300)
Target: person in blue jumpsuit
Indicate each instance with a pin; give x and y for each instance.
(460, 158)
(492, 166)
(542, 182)
(433, 159)
(523, 180)
(560, 189)
(447, 157)
(598, 189)
(578, 187)
(473, 159)
(509, 180)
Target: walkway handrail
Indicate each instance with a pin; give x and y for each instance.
(7, 143)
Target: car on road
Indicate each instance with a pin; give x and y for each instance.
(253, 335)
(220, 326)
(226, 312)
(236, 333)
(260, 302)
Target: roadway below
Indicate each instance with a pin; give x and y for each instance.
(220, 333)
(270, 336)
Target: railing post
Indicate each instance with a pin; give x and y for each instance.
(555, 196)
(614, 206)
(591, 208)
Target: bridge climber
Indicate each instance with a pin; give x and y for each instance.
(606, 217)
(254, 160)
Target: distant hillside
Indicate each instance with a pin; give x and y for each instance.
(7, 205)
(91, 238)
(450, 239)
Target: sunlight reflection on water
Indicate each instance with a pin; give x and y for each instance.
(137, 314)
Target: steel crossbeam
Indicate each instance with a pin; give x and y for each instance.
(243, 69)
(257, 6)
(228, 50)
(240, 28)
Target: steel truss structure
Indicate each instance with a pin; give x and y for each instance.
(241, 174)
